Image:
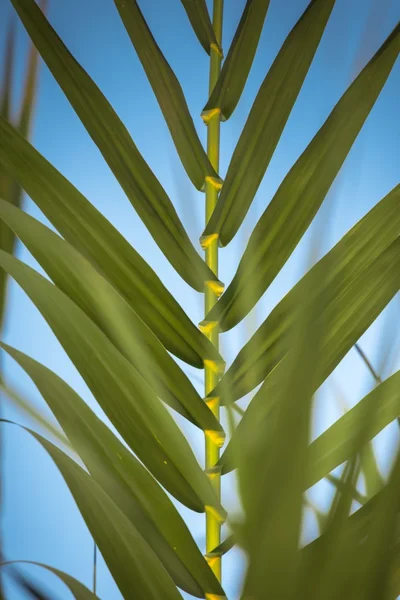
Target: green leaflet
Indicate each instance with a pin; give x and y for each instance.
(267, 120)
(340, 267)
(303, 190)
(125, 480)
(197, 13)
(352, 310)
(236, 67)
(125, 397)
(169, 94)
(90, 233)
(135, 568)
(335, 445)
(80, 591)
(117, 147)
(104, 306)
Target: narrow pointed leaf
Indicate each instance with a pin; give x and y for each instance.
(350, 313)
(127, 400)
(80, 591)
(169, 94)
(124, 478)
(237, 65)
(197, 13)
(74, 275)
(340, 267)
(267, 120)
(83, 226)
(135, 568)
(108, 132)
(303, 190)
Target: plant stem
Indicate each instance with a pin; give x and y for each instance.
(213, 526)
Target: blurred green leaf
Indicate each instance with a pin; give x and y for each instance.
(101, 302)
(237, 65)
(348, 272)
(169, 94)
(108, 132)
(303, 190)
(125, 480)
(197, 13)
(79, 590)
(267, 120)
(89, 232)
(127, 400)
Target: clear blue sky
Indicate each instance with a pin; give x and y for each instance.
(41, 519)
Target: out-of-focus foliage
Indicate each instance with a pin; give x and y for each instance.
(118, 324)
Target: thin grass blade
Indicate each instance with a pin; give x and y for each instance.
(199, 18)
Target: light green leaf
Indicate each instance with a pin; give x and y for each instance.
(197, 13)
(352, 310)
(237, 65)
(303, 190)
(342, 267)
(135, 568)
(74, 275)
(169, 94)
(91, 234)
(108, 132)
(127, 400)
(123, 477)
(267, 120)
(80, 591)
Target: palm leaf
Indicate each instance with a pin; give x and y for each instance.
(237, 65)
(197, 13)
(266, 121)
(117, 147)
(303, 190)
(124, 478)
(124, 396)
(90, 233)
(169, 94)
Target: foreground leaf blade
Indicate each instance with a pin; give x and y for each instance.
(141, 186)
(237, 65)
(197, 13)
(127, 400)
(85, 228)
(169, 94)
(85, 286)
(123, 477)
(267, 120)
(303, 190)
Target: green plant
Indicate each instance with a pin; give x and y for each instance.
(118, 324)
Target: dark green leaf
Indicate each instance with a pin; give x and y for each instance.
(113, 140)
(79, 590)
(352, 310)
(236, 68)
(125, 397)
(267, 120)
(91, 234)
(169, 94)
(303, 190)
(85, 286)
(198, 15)
(341, 268)
(135, 568)
(123, 477)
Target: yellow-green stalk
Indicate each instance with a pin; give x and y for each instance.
(213, 525)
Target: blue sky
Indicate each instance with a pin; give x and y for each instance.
(41, 519)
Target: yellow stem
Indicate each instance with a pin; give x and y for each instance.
(213, 526)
